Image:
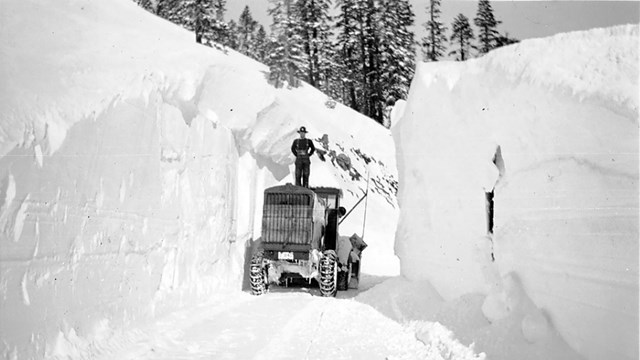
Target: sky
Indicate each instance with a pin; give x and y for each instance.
(521, 19)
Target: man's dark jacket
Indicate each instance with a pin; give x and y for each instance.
(303, 149)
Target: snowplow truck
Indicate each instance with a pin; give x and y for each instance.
(300, 240)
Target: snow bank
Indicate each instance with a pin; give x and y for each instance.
(550, 127)
(132, 165)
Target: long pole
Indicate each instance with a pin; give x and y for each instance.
(364, 221)
(353, 208)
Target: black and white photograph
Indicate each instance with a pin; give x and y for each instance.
(319, 179)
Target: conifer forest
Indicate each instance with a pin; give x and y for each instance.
(361, 53)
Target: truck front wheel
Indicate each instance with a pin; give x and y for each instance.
(328, 273)
(258, 275)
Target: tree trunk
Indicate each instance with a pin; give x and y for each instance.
(198, 28)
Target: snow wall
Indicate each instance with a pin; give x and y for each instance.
(132, 165)
(550, 126)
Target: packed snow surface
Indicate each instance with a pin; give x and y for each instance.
(284, 324)
(549, 129)
(132, 165)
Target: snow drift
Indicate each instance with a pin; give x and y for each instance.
(132, 164)
(518, 180)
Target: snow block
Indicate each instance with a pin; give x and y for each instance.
(132, 168)
(504, 300)
(535, 148)
(402, 300)
(535, 326)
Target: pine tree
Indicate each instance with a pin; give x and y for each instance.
(220, 7)
(313, 27)
(219, 31)
(487, 24)
(203, 19)
(371, 66)
(232, 38)
(286, 53)
(168, 9)
(504, 40)
(333, 75)
(462, 36)
(358, 41)
(348, 57)
(260, 45)
(397, 64)
(377, 52)
(245, 33)
(148, 5)
(433, 45)
(195, 15)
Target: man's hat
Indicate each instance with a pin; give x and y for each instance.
(302, 129)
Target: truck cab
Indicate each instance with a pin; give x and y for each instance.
(300, 238)
(330, 197)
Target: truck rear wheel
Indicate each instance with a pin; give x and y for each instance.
(257, 275)
(343, 278)
(328, 273)
(355, 274)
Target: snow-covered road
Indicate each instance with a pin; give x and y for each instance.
(133, 164)
(282, 324)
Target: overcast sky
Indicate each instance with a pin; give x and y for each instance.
(521, 19)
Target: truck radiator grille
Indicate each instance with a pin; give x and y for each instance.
(287, 219)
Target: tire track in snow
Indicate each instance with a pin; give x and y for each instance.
(237, 329)
(329, 328)
(167, 338)
(276, 326)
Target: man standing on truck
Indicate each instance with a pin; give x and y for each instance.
(302, 148)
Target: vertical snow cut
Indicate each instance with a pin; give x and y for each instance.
(132, 179)
(563, 219)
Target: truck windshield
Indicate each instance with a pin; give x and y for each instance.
(330, 201)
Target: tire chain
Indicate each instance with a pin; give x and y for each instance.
(328, 285)
(257, 276)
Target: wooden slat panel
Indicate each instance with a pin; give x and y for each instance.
(287, 218)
